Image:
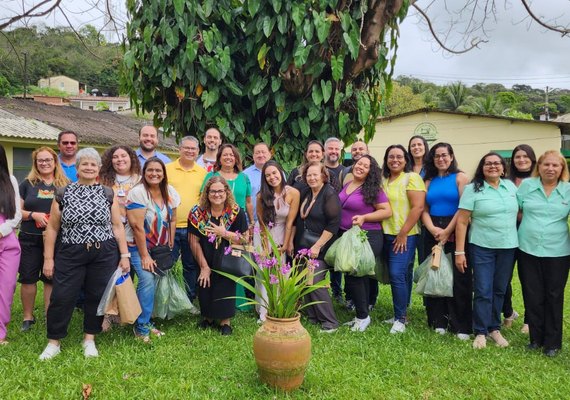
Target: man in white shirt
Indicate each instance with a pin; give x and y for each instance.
(261, 154)
(212, 142)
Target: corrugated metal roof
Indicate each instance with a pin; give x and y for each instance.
(18, 127)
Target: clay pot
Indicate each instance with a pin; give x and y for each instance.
(282, 349)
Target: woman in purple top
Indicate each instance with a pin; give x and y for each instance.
(363, 204)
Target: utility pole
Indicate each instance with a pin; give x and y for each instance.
(25, 53)
(546, 112)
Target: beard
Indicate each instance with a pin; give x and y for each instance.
(147, 148)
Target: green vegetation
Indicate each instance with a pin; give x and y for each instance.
(194, 364)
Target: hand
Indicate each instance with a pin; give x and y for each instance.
(41, 219)
(48, 268)
(358, 220)
(217, 230)
(443, 236)
(204, 278)
(435, 232)
(461, 263)
(400, 245)
(125, 265)
(314, 251)
(148, 264)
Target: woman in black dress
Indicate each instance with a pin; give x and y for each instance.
(213, 225)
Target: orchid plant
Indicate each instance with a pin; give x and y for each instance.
(286, 283)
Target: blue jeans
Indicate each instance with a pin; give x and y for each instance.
(189, 267)
(400, 277)
(492, 271)
(145, 292)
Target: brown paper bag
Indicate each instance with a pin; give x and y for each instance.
(112, 307)
(129, 306)
(436, 256)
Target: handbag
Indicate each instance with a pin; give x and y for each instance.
(308, 238)
(235, 263)
(162, 256)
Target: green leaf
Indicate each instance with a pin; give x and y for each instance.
(233, 87)
(301, 54)
(209, 98)
(207, 6)
(260, 101)
(337, 99)
(326, 87)
(283, 115)
(363, 104)
(322, 25)
(298, 14)
(225, 61)
(308, 30)
(253, 6)
(280, 101)
(352, 42)
(343, 120)
(314, 113)
(305, 126)
(258, 86)
(129, 59)
(317, 95)
(148, 30)
(282, 23)
(179, 6)
(268, 24)
(171, 38)
(261, 55)
(276, 5)
(275, 83)
(208, 37)
(337, 67)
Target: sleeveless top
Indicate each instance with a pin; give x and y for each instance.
(443, 196)
(85, 214)
(281, 211)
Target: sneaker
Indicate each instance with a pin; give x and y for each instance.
(524, 329)
(226, 330)
(27, 325)
(392, 320)
(480, 342)
(440, 331)
(205, 324)
(50, 351)
(89, 349)
(499, 339)
(508, 322)
(398, 327)
(350, 323)
(463, 336)
(328, 330)
(360, 325)
(350, 305)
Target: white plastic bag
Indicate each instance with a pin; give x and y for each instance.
(109, 293)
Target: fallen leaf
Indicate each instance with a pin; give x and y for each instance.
(86, 391)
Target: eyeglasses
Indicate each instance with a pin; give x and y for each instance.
(492, 164)
(439, 156)
(188, 148)
(217, 192)
(44, 160)
(66, 143)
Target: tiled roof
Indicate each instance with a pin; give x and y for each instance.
(18, 127)
(93, 127)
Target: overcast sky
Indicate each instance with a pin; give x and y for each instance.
(518, 51)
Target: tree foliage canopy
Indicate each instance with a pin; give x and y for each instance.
(277, 71)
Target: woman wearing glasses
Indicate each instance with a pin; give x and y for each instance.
(491, 204)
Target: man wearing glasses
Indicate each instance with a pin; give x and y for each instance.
(68, 144)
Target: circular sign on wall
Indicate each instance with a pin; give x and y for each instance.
(427, 130)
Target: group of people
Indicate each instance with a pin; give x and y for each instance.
(83, 214)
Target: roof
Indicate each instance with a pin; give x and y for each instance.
(565, 118)
(15, 126)
(58, 76)
(98, 98)
(467, 114)
(102, 128)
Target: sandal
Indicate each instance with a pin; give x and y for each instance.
(139, 336)
(156, 332)
(3, 342)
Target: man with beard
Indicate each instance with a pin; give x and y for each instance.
(67, 142)
(212, 142)
(332, 161)
(148, 139)
(357, 150)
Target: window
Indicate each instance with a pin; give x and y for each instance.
(61, 85)
(22, 163)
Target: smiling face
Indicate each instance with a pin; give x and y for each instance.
(417, 148)
(357, 150)
(522, 161)
(314, 153)
(154, 173)
(361, 169)
(88, 169)
(492, 168)
(212, 139)
(396, 160)
(273, 177)
(148, 138)
(217, 194)
(332, 151)
(227, 158)
(442, 159)
(314, 176)
(550, 169)
(121, 162)
(261, 155)
(45, 163)
(189, 150)
(68, 145)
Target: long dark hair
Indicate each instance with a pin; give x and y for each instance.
(431, 169)
(237, 166)
(479, 177)
(162, 185)
(373, 181)
(8, 197)
(108, 174)
(267, 193)
(426, 147)
(514, 173)
(407, 158)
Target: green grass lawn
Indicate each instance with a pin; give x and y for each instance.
(194, 364)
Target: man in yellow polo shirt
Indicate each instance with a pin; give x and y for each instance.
(186, 176)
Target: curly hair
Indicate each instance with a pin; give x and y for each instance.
(407, 167)
(238, 164)
(479, 177)
(373, 181)
(34, 177)
(205, 201)
(431, 169)
(108, 174)
(267, 193)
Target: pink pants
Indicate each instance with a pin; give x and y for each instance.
(9, 262)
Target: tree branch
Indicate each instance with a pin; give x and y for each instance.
(559, 29)
(32, 13)
(78, 35)
(474, 43)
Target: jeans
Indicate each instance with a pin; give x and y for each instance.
(400, 278)
(492, 271)
(189, 267)
(145, 292)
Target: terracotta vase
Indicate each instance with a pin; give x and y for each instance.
(282, 349)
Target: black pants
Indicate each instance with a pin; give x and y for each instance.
(360, 289)
(76, 265)
(451, 313)
(543, 281)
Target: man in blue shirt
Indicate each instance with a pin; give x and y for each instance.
(261, 154)
(148, 139)
(67, 143)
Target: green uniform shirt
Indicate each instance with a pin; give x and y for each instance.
(544, 226)
(493, 215)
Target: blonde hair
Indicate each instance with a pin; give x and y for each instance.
(205, 201)
(60, 180)
(564, 176)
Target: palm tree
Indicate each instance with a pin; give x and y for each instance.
(453, 96)
(487, 105)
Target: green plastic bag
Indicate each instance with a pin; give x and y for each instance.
(382, 272)
(330, 256)
(436, 282)
(161, 296)
(170, 298)
(356, 257)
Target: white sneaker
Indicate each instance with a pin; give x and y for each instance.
(398, 327)
(440, 331)
(360, 325)
(50, 352)
(463, 336)
(89, 349)
(389, 321)
(351, 322)
(328, 330)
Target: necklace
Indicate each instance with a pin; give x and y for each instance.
(122, 190)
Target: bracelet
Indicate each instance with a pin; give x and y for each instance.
(459, 253)
(30, 216)
(125, 255)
